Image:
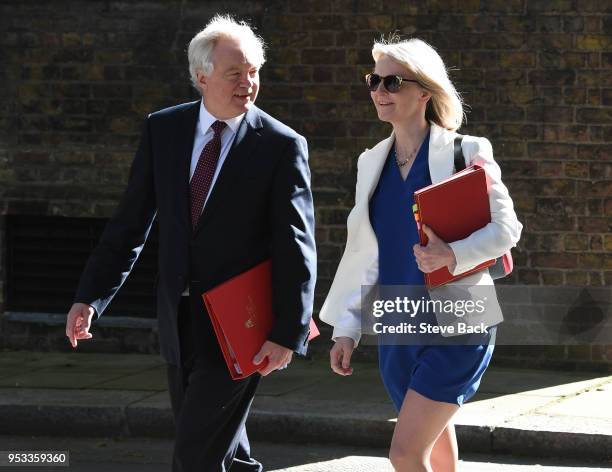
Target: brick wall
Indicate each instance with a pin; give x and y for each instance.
(77, 78)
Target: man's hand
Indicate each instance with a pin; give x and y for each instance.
(340, 355)
(79, 322)
(435, 255)
(278, 356)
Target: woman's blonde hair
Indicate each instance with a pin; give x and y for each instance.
(445, 107)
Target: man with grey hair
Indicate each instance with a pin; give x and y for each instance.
(230, 187)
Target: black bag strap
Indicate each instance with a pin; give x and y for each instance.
(458, 153)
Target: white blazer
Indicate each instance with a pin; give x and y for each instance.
(359, 263)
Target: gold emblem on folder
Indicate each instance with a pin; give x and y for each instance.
(251, 310)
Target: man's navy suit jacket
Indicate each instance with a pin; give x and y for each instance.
(260, 207)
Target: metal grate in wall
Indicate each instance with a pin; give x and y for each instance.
(45, 257)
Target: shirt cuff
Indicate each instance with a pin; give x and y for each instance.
(354, 334)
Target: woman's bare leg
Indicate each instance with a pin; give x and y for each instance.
(445, 453)
(420, 423)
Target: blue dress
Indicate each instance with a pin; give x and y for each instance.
(446, 373)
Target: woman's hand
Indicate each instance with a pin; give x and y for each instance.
(435, 255)
(340, 355)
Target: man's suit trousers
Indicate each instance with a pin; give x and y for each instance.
(210, 409)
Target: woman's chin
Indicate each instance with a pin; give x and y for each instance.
(386, 117)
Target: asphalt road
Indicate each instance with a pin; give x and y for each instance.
(152, 455)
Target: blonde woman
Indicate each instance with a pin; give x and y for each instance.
(411, 90)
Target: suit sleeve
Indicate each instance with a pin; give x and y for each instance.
(504, 230)
(293, 248)
(124, 235)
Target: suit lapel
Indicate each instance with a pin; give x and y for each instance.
(185, 136)
(242, 149)
(440, 153)
(375, 164)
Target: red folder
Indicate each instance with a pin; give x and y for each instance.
(240, 310)
(453, 208)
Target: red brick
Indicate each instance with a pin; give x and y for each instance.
(594, 188)
(550, 6)
(519, 168)
(596, 278)
(576, 169)
(565, 133)
(517, 59)
(594, 152)
(284, 56)
(520, 23)
(540, 41)
(331, 93)
(576, 278)
(552, 277)
(479, 59)
(593, 42)
(529, 276)
(560, 206)
(591, 261)
(550, 223)
(594, 225)
(520, 131)
(601, 170)
(509, 148)
(518, 95)
(555, 187)
(574, 96)
(596, 243)
(380, 23)
(549, 114)
(550, 169)
(554, 260)
(306, 6)
(551, 151)
(576, 242)
(322, 22)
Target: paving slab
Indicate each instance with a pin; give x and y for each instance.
(154, 379)
(593, 404)
(72, 398)
(533, 382)
(496, 410)
(50, 379)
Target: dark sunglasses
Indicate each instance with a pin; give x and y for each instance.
(392, 83)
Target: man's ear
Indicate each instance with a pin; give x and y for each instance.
(202, 80)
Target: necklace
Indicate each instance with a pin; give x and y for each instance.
(403, 162)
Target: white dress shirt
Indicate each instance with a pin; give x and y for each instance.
(203, 134)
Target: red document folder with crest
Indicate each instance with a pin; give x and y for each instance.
(240, 310)
(453, 208)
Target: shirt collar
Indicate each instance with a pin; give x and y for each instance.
(206, 120)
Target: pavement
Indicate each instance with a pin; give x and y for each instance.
(516, 411)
